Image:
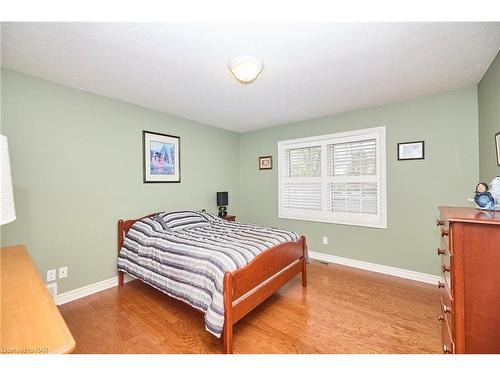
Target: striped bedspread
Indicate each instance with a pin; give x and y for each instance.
(185, 255)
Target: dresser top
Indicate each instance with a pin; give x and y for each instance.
(31, 322)
(470, 215)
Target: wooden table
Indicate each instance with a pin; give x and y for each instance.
(30, 321)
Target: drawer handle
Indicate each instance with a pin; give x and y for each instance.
(445, 269)
(444, 232)
(440, 317)
(440, 251)
(446, 349)
(440, 284)
(446, 309)
(439, 223)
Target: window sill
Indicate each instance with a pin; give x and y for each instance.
(378, 225)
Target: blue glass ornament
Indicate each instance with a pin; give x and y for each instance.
(485, 200)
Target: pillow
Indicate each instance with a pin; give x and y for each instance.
(180, 220)
(209, 216)
(159, 220)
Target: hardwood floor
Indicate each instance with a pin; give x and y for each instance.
(343, 310)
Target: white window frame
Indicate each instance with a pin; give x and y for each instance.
(348, 218)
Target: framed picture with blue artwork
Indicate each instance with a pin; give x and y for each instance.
(161, 157)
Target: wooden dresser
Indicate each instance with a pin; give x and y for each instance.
(30, 321)
(470, 286)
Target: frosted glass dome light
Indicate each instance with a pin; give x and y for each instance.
(246, 69)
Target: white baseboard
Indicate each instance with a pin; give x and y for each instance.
(393, 271)
(84, 291)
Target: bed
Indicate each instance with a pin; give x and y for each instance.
(224, 269)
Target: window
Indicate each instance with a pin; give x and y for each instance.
(335, 178)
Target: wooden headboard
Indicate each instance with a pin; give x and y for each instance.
(124, 226)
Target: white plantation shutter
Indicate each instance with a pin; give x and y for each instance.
(337, 178)
(303, 162)
(349, 160)
(357, 197)
(302, 195)
(352, 158)
(301, 187)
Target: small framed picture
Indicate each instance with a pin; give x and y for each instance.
(266, 162)
(497, 142)
(411, 150)
(161, 157)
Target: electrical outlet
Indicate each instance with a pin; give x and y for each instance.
(325, 240)
(51, 275)
(63, 272)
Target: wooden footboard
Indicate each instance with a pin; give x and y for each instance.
(247, 287)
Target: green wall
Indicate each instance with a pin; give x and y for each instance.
(77, 168)
(448, 125)
(489, 121)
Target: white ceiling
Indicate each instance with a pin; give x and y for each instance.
(310, 70)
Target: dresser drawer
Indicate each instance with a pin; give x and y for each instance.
(445, 245)
(445, 258)
(444, 233)
(446, 267)
(447, 308)
(448, 343)
(445, 241)
(446, 282)
(446, 330)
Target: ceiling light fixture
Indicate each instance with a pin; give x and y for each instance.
(246, 69)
